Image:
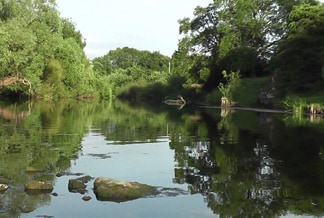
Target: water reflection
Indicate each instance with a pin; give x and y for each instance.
(239, 163)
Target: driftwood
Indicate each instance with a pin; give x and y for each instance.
(9, 80)
(6, 81)
(177, 102)
(196, 86)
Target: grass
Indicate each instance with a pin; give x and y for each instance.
(249, 91)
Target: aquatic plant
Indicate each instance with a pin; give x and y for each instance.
(232, 82)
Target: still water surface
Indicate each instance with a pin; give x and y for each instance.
(218, 163)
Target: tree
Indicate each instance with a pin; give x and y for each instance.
(129, 64)
(300, 56)
(18, 45)
(69, 31)
(40, 46)
(102, 65)
(236, 34)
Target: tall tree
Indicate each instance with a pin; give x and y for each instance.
(237, 34)
(300, 56)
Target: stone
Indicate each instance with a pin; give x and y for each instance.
(38, 186)
(3, 187)
(85, 179)
(76, 186)
(107, 189)
(86, 198)
(31, 169)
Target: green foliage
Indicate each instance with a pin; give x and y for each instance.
(249, 91)
(102, 65)
(214, 97)
(297, 105)
(246, 95)
(69, 31)
(233, 35)
(53, 80)
(299, 58)
(45, 49)
(128, 70)
(124, 58)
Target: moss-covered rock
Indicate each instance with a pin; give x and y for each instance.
(3, 187)
(32, 169)
(108, 189)
(38, 187)
(85, 179)
(76, 186)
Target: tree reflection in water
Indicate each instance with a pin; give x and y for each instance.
(253, 178)
(199, 175)
(221, 158)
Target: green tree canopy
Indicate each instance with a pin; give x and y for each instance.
(38, 45)
(300, 56)
(126, 57)
(126, 65)
(234, 35)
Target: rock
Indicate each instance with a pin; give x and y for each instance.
(3, 187)
(26, 209)
(68, 174)
(35, 187)
(76, 186)
(108, 189)
(85, 179)
(86, 198)
(31, 169)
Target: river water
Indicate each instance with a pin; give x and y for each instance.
(214, 163)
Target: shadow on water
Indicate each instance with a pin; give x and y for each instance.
(242, 163)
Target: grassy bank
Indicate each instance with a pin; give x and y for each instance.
(247, 93)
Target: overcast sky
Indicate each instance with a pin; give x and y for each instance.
(142, 24)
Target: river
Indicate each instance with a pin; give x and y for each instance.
(214, 163)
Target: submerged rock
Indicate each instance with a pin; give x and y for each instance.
(35, 187)
(86, 198)
(3, 187)
(31, 169)
(108, 189)
(85, 179)
(68, 174)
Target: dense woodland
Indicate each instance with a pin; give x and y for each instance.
(41, 53)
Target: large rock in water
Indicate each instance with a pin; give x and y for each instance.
(108, 189)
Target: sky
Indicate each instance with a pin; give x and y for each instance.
(142, 24)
